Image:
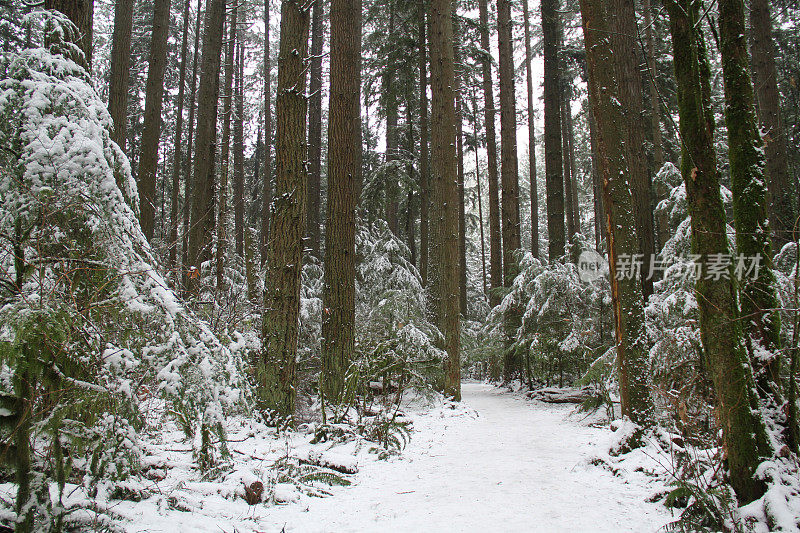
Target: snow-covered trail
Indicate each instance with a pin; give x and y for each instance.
(514, 465)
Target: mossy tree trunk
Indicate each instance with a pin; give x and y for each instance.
(531, 133)
(744, 433)
(315, 130)
(120, 70)
(424, 188)
(344, 181)
(275, 368)
(759, 301)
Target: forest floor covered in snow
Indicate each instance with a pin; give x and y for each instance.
(495, 462)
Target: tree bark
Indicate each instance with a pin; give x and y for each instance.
(508, 144)
(621, 229)
(202, 216)
(275, 368)
(759, 300)
(315, 130)
(531, 134)
(424, 196)
(151, 134)
(266, 191)
(344, 179)
(624, 41)
(480, 199)
(188, 187)
(495, 243)
(391, 188)
(782, 214)
(553, 165)
(238, 155)
(225, 149)
(569, 208)
(120, 70)
(743, 431)
(178, 149)
(444, 231)
(655, 100)
(462, 216)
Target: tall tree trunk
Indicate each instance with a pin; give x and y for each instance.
(411, 229)
(621, 229)
(509, 177)
(478, 188)
(344, 182)
(508, 144)
(569, 208)
(275, 368)
(202, 219)
(462, 217)
(315, 130)
(391, 105)
(151, 133)
(188, 187)
(759, 301)
(624, 40)
(531, 134)
(553, 166)
(120, 70)
(782, 214)
(238, 156)
(177, 155)
(573, 172)
(225, 149)
(444, 231)
(80, 13)
(266, 192)
(743, 431)
(655, 99)
(424, 196)
(495, 244)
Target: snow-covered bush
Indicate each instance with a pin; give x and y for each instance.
(565, 321)
(89, 329)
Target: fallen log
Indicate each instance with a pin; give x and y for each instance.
(562, 395)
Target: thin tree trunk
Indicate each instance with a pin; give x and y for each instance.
(238, 156)
(462, 217)
(225, 149)
(120, 70)
(569, 208)
(151, 134)
(275, 368)
(743, 432)
(531, 134)
(315, 130)
(178, 149)
(188, 187)
(266, 193)
(782, 214)
(444, 231)
(573, 172)
(424, 196)
(202, 219)
(554, 177)
(480, 200)
(391, 105)
(495, 244)
(655, 101)
(621, 229)
(344, 182)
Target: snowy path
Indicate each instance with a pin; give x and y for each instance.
(515, 466)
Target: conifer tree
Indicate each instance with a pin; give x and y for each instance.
(344, 183)
(275, 366)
